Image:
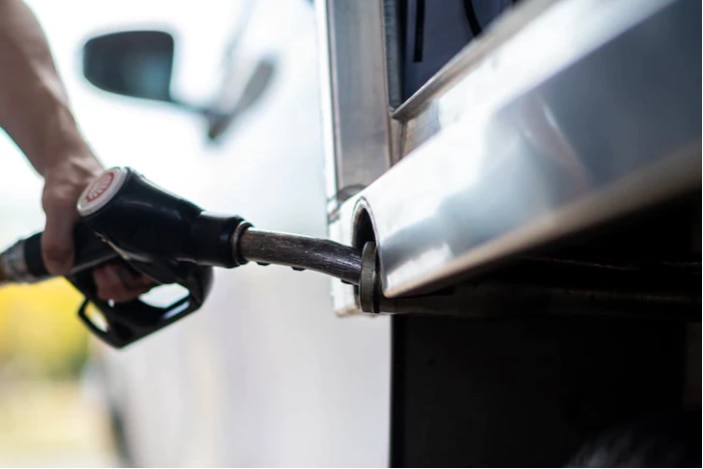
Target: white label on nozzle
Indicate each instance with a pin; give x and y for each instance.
(101, 191)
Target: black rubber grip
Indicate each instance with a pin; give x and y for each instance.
(33, 257)
(89, 252)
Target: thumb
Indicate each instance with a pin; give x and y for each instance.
(57, 240)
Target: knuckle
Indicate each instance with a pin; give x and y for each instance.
(55, 200)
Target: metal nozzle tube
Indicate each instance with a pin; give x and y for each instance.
(299, 252)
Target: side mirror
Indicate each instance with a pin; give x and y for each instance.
(140, 64)
(131, 63)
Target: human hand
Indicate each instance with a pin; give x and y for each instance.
(63, 184)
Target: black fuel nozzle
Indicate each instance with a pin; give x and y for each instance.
(146, 223)
(159, 234)
(171, 240)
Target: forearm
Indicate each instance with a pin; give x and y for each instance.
(34, 108)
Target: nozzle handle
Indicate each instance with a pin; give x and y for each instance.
(90, 251)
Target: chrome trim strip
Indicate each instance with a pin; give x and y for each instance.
(354, 95)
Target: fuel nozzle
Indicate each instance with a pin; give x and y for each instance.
(126, 217)
(145, 223)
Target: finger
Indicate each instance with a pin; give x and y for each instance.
(110, 287)
(130, 279)
(117, 283)
(57, 239)
(102, 283)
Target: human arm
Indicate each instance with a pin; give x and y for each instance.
(35, 112)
